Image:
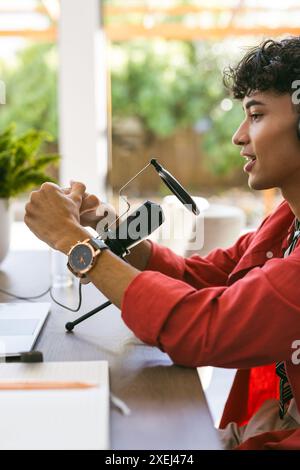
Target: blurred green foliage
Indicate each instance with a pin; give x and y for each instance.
(31, 90)
(222, 155)
(168, 85)
(163, 84)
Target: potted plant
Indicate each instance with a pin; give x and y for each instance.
(22, 165)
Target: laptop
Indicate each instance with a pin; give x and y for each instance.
(20, 325)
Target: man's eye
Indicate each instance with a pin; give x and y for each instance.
(255, 116)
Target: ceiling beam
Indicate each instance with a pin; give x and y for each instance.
(180, 32)
(44, 35)
(22, 10)
(166, 31)
(186, 9)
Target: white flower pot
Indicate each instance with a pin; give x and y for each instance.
(5, 222)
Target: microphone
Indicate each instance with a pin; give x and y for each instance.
(138, 225)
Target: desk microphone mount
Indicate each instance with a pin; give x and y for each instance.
(138, 225)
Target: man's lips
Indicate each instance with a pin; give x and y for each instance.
(251, 162)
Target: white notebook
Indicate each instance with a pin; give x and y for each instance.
(73, 418)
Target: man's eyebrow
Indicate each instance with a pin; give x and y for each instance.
(253, 103)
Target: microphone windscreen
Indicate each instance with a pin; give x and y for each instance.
(138, 225)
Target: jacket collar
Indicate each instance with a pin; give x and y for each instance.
(271, 240)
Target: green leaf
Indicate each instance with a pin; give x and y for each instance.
(30, 180)
(21, 164)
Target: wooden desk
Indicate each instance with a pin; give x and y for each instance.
(168, 407)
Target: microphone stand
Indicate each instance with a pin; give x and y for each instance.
(71, 324)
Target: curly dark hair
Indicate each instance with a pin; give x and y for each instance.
(272, 65)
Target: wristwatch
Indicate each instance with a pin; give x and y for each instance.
(83, 255)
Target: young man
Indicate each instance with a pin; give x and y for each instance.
(238, 307)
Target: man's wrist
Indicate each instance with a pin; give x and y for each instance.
(71, 237)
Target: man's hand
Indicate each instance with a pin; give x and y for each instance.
(88, 210)
(93, 211)
(54, 216)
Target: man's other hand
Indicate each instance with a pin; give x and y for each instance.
(54, 216)
(92, 210)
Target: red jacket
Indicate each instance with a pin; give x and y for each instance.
(235, 308)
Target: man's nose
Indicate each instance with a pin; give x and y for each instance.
(241, 135)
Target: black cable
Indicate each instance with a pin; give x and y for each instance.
(69, 308)
(29, 299)
(69, 325)
(49, 290)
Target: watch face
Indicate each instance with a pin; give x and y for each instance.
(81, 257)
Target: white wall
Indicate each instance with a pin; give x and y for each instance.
(82, 95)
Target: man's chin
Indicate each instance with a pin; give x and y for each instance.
(259, 185)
